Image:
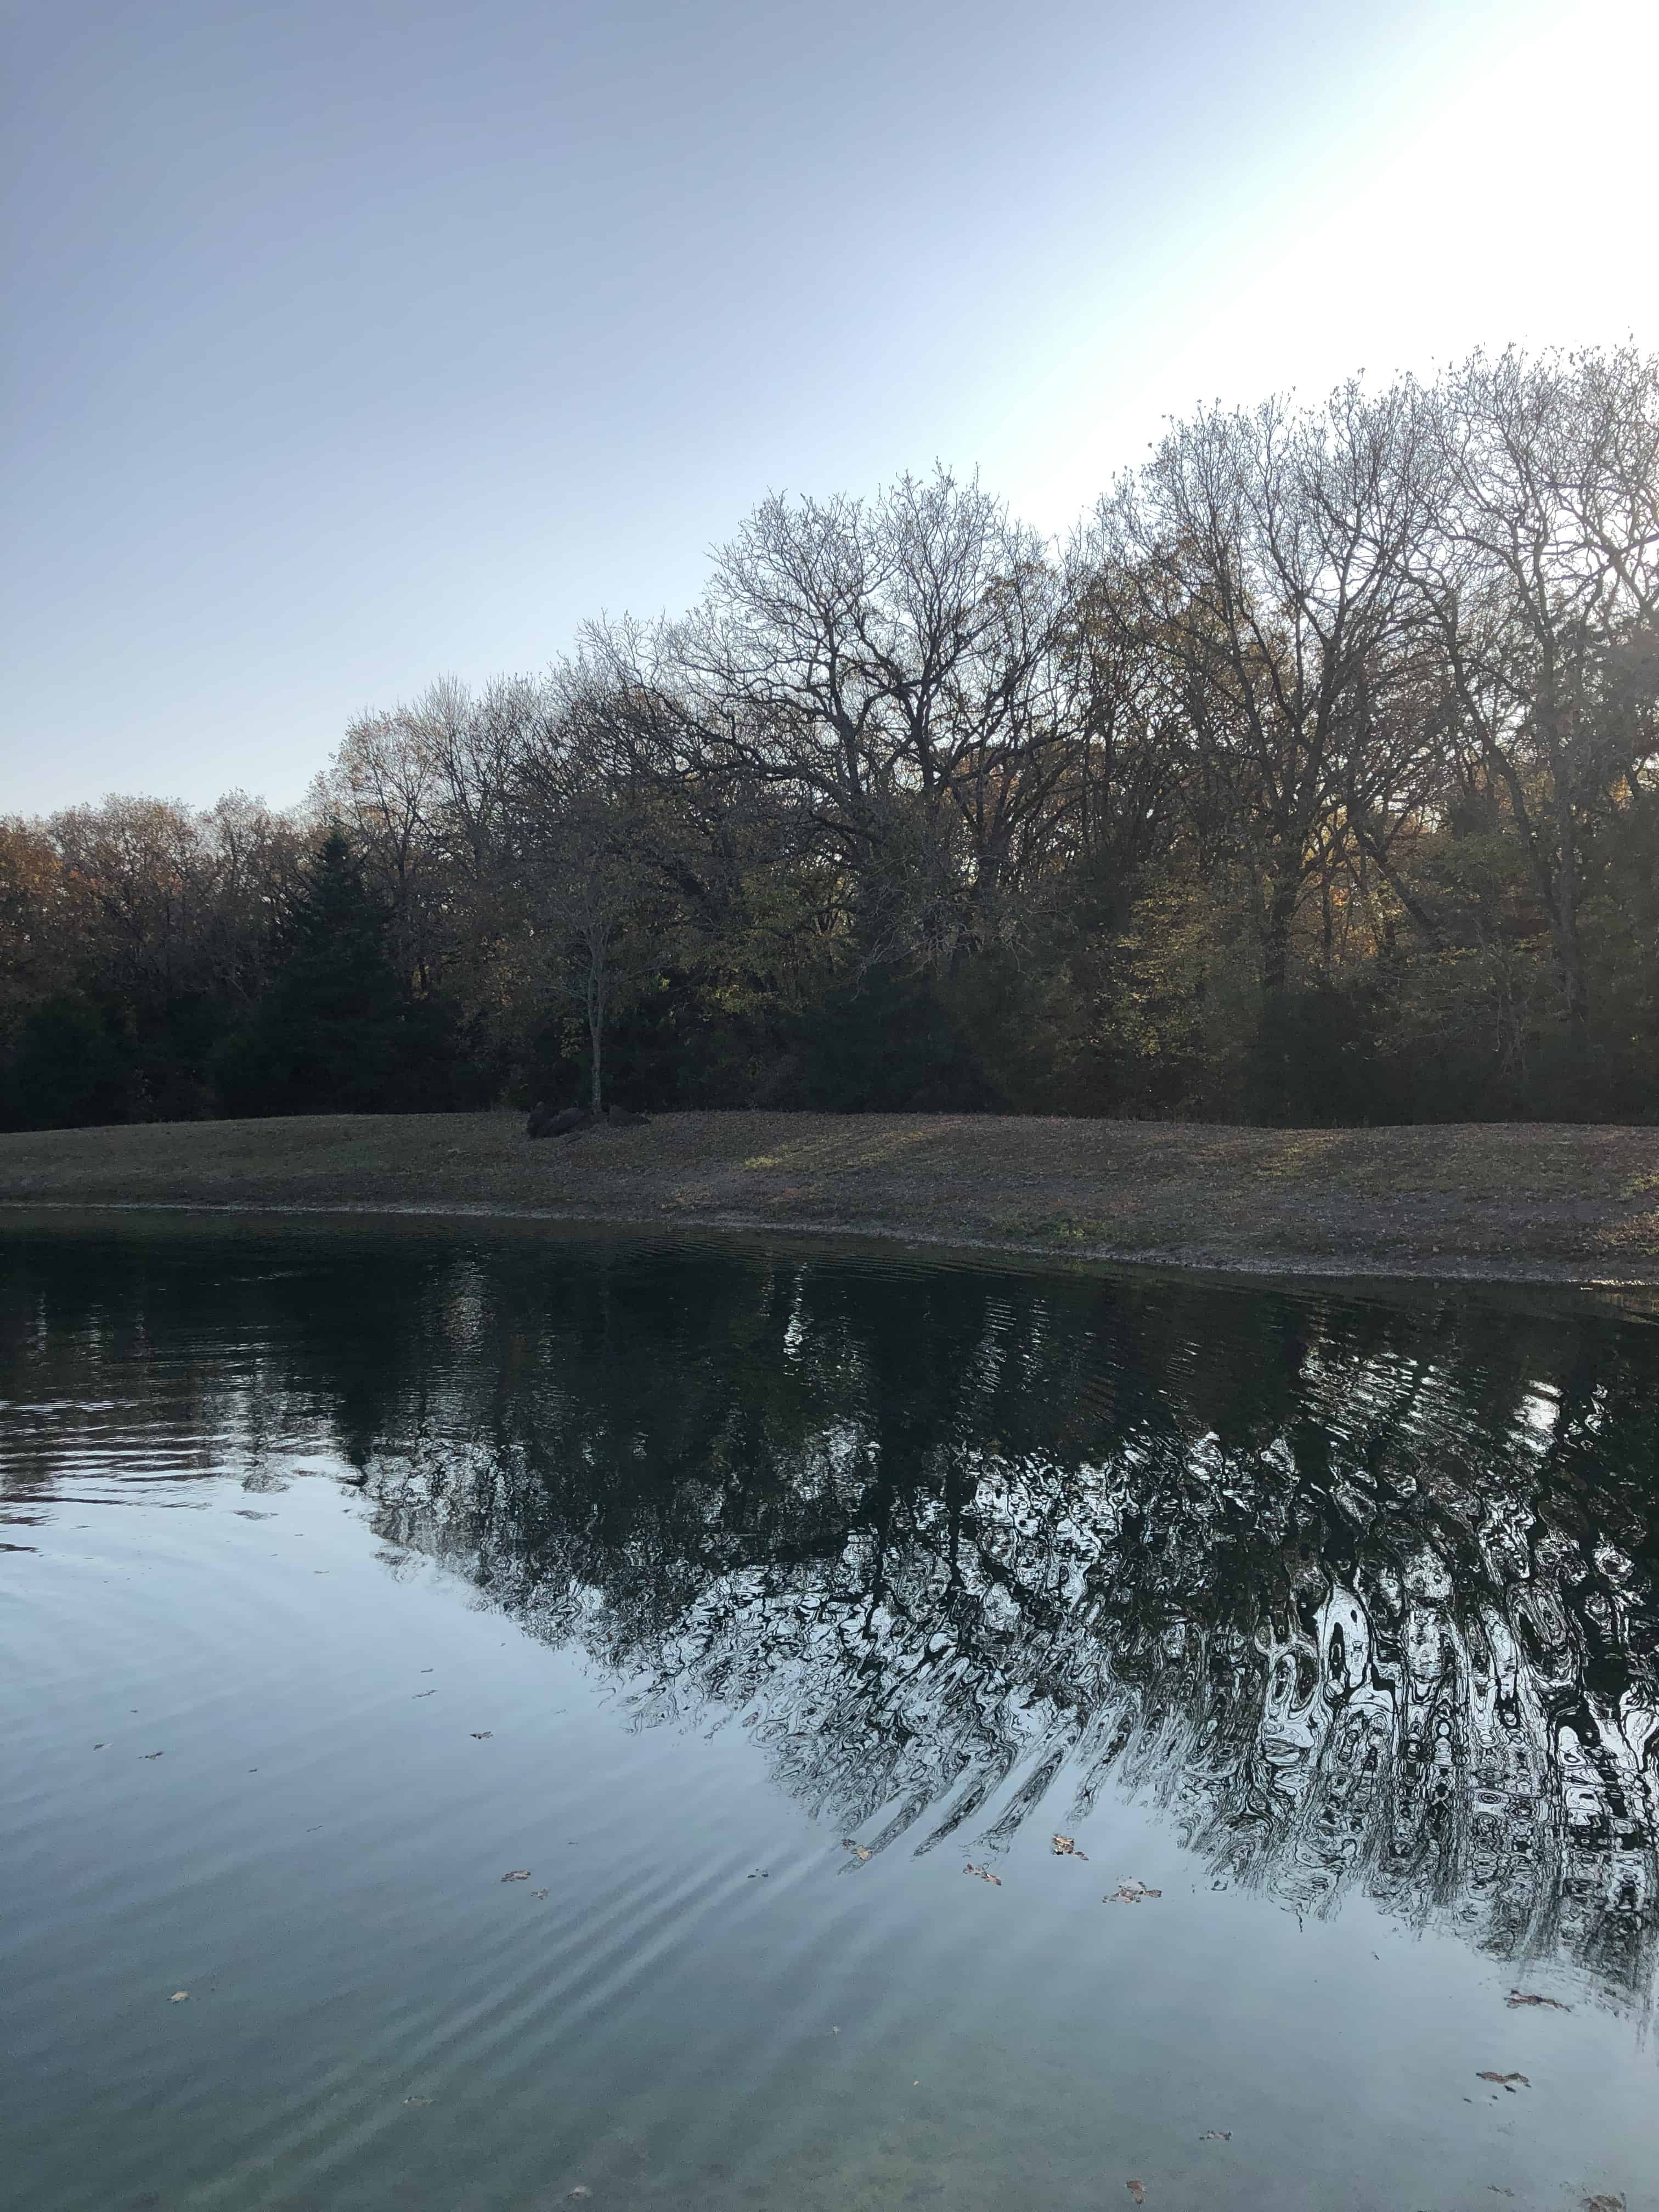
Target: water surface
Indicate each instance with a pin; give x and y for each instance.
(746, 1596)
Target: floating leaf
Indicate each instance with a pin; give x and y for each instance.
(517, 1874)
(984, 1873)
(417, 2100)
(860, 1852)
(1130, 1893)
(1216, 2134)
(1604, 2204)
(1505, 2080)
(538, 1893)
(579, 2191)
(1137, 2190)
(1517, 1997)
(1065, 1847)
(178, 1996)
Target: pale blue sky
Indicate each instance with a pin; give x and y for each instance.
(355, 341)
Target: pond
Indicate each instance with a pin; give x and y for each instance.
(504, 1719)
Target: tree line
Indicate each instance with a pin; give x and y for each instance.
(1312, 780)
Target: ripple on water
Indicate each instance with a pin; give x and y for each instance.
(1332, 1620)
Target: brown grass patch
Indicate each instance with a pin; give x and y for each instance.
(1553, 1202)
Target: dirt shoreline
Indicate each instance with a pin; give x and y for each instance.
(1538, 1203)
(1191, 1261)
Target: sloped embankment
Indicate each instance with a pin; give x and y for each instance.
(1540, 1202)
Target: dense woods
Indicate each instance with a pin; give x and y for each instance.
(1312, 781)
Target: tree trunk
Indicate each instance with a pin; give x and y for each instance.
(596, 1028)
(1282, 902)
(596, 1040)
(1564, 911)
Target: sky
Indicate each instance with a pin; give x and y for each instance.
(354, 344)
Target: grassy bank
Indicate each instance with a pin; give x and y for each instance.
(1546, 1203)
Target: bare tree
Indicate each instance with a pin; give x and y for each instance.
(1265, 550)
(897, 667)
(1540, 571)
(383, 790)
(582, 876)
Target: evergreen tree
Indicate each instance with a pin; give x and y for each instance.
(338, 1031)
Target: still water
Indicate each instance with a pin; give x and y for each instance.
(737, 1599)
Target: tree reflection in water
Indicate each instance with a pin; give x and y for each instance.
(1363, 1595)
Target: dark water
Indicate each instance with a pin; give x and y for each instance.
(347, 1570)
